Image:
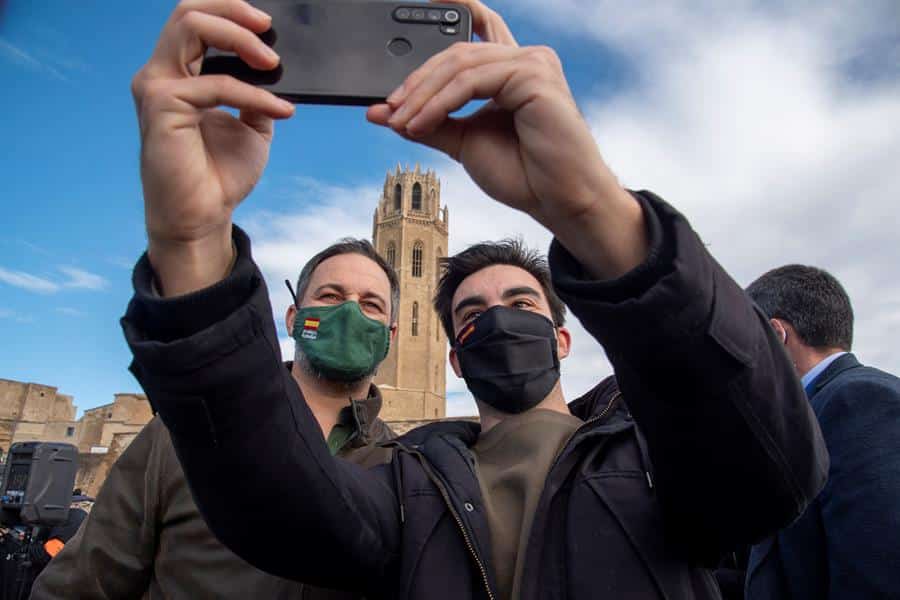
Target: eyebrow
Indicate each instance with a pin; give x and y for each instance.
(523, 290)
(476, 300)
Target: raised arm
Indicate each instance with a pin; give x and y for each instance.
(254, 456)
(736, 449)
(201, 329)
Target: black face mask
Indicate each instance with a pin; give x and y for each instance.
(508, 358)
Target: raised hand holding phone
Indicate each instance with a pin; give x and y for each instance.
(529, 147)
(198, 163)
(346, 52)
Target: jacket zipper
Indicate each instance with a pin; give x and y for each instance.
(459, 523)
(446, 496)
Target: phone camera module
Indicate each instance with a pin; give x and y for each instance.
(402, 14)
(418, 15)
(434, 16)
(451, 16)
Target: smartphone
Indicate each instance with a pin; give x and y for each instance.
(350, 52)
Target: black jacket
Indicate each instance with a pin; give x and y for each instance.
(728, 449)
(845, 546)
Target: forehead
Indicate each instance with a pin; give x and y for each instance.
(491, 282)
(353, 272)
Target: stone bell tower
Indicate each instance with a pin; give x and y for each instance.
(410, 230)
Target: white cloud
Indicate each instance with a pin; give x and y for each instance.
(19, 56)
(81, 279)
(69, 311)
(774, 128)
(12, 315)
(287, 348)
(29, 282)
(75, 279)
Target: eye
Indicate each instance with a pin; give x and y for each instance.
(372, 306)
(329, 296)
(522, 304)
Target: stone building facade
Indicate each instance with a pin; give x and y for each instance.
(37, 412)
(410, 230)
(32, 411)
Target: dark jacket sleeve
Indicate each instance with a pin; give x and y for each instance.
(735, 447)
(253, 453)
(112, 554)
(860, 505)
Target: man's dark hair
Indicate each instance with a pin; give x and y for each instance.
(811, 300)
(351, 246)
(480, 256)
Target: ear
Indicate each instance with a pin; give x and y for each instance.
(563, 342)
(392, 334)
(454, 362)
(780, 330)
(289, 319)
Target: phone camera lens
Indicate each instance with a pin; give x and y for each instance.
(434, 15)
(451, 16)
(402, 13)
(418, 15)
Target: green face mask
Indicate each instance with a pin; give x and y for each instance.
(340, 342)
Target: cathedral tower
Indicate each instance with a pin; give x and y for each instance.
(410, 230)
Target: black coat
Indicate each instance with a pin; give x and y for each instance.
(846, 546)
(728, 448)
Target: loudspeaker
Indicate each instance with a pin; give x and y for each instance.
(37, 487)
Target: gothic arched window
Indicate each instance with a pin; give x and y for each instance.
(398, 195)
(415, 319)
(391, 255)
(417, 197)
(418, 249)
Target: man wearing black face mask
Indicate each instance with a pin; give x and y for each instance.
(543, 500)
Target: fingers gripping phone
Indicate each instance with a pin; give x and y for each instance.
(351, 52)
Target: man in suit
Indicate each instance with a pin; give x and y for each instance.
(846, 543)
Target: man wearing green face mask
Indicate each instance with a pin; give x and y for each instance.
(342, 320)
(145, 536)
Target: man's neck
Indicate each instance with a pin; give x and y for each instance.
(326, 398)
(812, 357)
(554, 401)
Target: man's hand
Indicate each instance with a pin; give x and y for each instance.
(199, 163)
(528, 147)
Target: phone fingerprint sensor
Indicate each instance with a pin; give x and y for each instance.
(399, 47)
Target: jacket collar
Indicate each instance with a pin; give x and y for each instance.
(594, 403)
(847, 361)
(601, 401)
(361, 416)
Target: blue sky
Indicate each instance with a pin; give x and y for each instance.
(748, 119)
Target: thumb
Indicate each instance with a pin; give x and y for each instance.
(261, 123)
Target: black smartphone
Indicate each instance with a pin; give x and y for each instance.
(351, 52)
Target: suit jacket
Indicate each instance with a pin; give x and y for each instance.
(847, 543)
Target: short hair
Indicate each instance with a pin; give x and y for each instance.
(480, 256)
(811, 300)
(350, 245)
